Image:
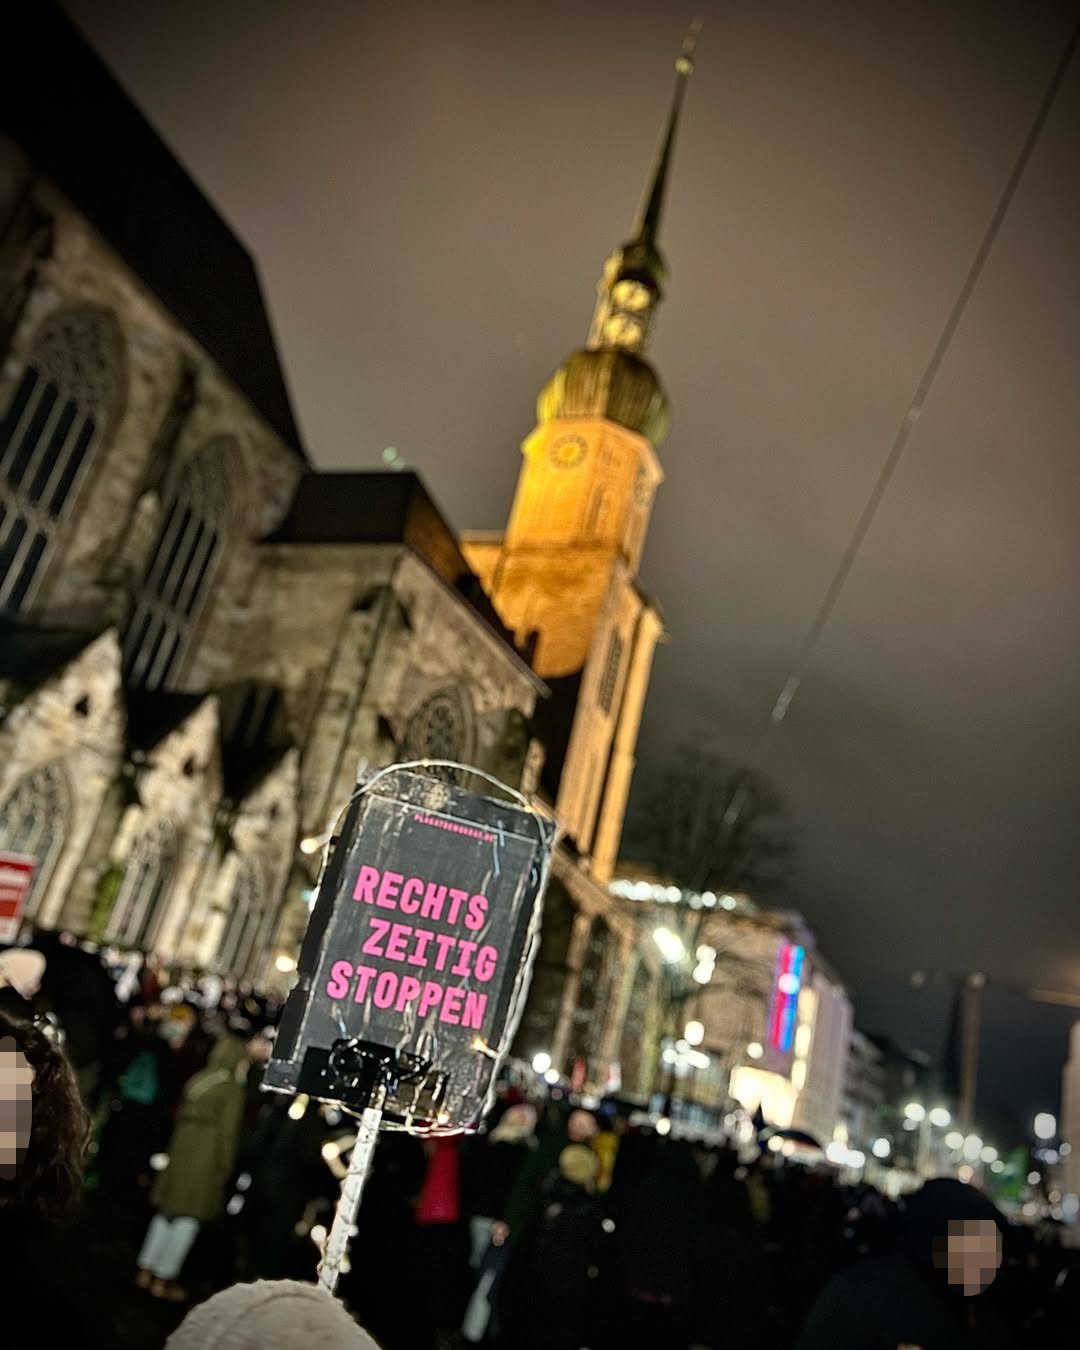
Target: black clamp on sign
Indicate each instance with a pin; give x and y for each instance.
(357, 1073)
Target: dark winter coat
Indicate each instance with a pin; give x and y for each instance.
(904, 1299)
(551, 1296)
(202, 1150)
(488, 1173)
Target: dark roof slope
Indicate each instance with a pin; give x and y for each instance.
(153, 714)
(30, 653)
(61, 105)
(384, 508)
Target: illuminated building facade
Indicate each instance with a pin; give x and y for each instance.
(201, 639)
(204, 639)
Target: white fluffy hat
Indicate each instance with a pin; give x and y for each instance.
(22, 968)
(268, 1315)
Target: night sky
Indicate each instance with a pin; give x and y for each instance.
(431, 189)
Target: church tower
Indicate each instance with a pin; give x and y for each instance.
(564, 576)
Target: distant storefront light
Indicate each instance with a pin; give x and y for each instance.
(789, 967)
(647, 892)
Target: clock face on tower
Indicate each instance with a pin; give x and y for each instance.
(567, 452)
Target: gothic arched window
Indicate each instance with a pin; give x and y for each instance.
(33, 822)
(440, 729)
(61, 406)
(244, 929)
(145, 888)
(181, 565)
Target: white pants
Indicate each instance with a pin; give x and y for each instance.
(166, 1245)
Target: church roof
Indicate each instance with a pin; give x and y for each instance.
(385, 508)
(31, 653)
(153, 714)
(61, 105)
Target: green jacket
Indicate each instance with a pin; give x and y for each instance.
(204, 1142)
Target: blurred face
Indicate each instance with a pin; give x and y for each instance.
(581, 1127)
(970, 1253)
(16, 1088)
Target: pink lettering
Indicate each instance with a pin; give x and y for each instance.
(337, 986)
(395, 947)
(486, 960)
(385, 989)
(434, 899)
(407, 904)
(428, 999)
(475, 1005)
(461, 966)
(476, 913)
(423, 936)
(408, 989)
(451, 1006)
(365, 884)
(445, 943)
(457, 899)
(379, 928)
(363, 979)
(387, 897)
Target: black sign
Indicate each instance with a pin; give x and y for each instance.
(419, 950)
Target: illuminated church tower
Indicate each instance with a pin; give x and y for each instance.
(564, 575)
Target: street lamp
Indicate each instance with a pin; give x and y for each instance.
(671, 946)
(973, 1146)
(541, 1062)
(940, 1117)
(694, 1033)
(954, 1140)
(915, 1111)
(881, 1148)
(1045, 1126)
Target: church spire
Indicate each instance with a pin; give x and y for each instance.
(647, 225)
(632, 284)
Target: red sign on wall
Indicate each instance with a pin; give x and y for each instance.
(16, 876)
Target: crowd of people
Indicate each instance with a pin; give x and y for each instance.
(153, 1174)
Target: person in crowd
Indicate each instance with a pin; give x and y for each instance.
(550, 1299)
(44, 1128)
(524, 1200)
(442, 1250)
(137, 1114)
(936, 1290)
(270, 1315)
(490, 1165)
(191, 1190)
(281, 1168)
(661, 1264)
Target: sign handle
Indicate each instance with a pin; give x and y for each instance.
(352, 1189)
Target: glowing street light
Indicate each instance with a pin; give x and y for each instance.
(671, 946)
(915, 1111)
(989, 1155)
(694, 1033)
(973, 1147)
(310, 845)
(541, 1062)
(1045, 1126)
(940, 1117)
(881, 1148)
(755, 1050)
(954, 1139)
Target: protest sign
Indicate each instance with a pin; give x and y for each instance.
(420, 942)
(16, 875)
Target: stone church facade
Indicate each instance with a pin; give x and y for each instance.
(202, 640)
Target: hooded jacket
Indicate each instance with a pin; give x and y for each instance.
(203, 1146)
(905, 1300)
(270, 1315)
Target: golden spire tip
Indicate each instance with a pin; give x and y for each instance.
(684, 63)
